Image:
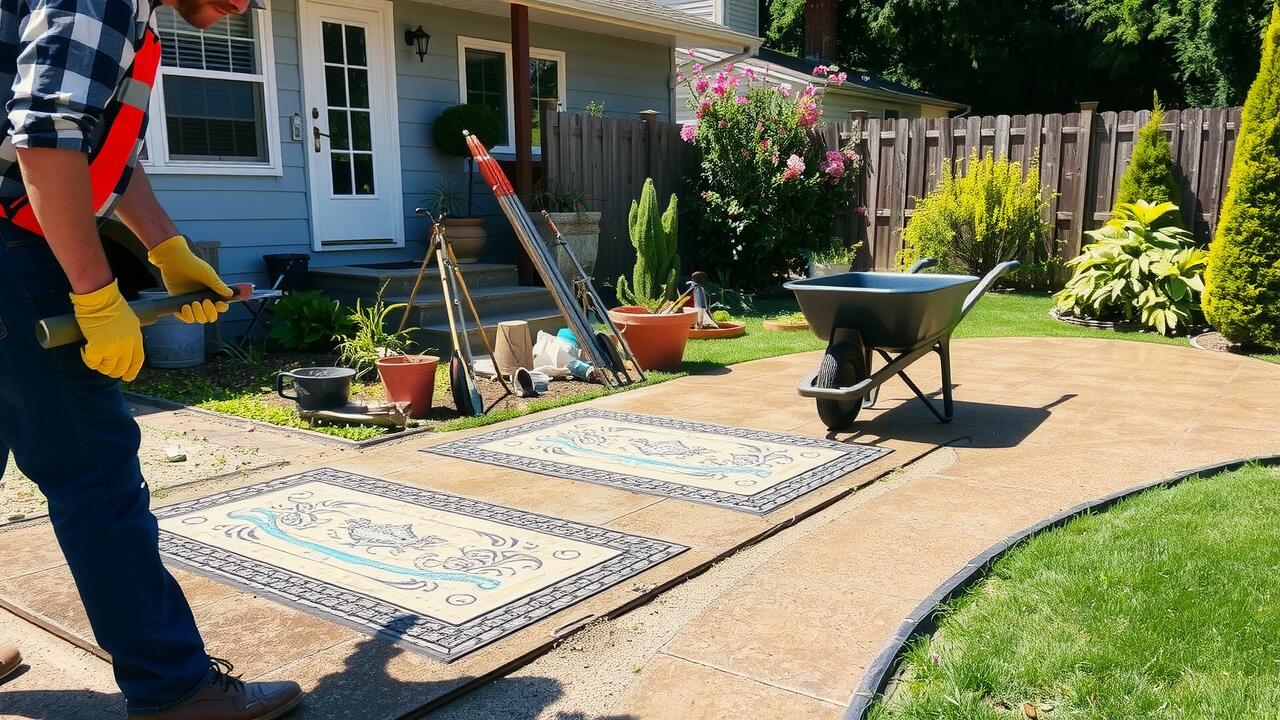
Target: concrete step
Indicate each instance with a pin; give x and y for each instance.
(436, 335)
(348, 282)
(429, 308)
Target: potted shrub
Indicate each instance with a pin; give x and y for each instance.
(657, 339)
(463, 226)
(832, 262)
(567, 207)
(405, 377)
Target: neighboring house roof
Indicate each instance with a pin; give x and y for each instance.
(687, 29)
(857, 81)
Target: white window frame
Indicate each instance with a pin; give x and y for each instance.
(470, 43)
(158, 161)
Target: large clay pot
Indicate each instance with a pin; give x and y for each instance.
(467, 237)
(411, 379)
(657, 340)
(581, 231)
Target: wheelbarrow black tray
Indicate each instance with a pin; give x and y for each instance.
(893, 311)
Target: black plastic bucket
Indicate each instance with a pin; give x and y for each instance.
(317, 388)
(293, 266)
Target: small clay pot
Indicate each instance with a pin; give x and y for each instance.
(411, 379)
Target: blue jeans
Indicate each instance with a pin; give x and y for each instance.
(71, 432)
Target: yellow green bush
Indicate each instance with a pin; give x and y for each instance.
(973, 221)
(1150, 173)
(1242, 281)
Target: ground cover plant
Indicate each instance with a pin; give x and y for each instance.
(1160, 607)
(1242, 295)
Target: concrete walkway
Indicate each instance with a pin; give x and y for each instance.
(786, 627)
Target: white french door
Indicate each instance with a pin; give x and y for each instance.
(350, 126)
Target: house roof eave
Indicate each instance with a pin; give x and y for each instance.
(685, 30)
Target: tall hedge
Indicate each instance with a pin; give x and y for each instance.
(1242, 281)
(1149, 176)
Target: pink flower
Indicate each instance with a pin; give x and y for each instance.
(838, 78)
(851, 155)
(820, 71)
(724, 124)
(741, 99)
(764, 144)
(690, 51)
(728, 68)
(834, 165)
(722, 78)
(751, 74)
(795, 167)
(688, 131)
(785, 89)
(697, 68)
(809, 115)
(776, 158)
(701, 84)
(720, 90)
(861, 210)
(733, 81)
(808, 91)
(679, 76)
(703, 108)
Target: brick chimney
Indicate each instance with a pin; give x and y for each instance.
(820, 17)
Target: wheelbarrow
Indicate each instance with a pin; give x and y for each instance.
(900, 316)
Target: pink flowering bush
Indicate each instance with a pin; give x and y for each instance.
(771, 191)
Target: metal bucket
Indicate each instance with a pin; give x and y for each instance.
(171, 343)
(317, 388)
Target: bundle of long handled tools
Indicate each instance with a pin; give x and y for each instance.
(576, 299)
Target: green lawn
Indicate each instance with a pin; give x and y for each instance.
(996, 315)
(1165, 606)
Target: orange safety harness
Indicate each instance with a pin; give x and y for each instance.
(109, 160)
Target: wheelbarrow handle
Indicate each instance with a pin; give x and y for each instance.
(985, 284)
(922, 264)
(63, 330)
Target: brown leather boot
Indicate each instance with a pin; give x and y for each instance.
(10, 660)
(226, 697)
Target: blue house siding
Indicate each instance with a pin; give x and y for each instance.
(251, 216)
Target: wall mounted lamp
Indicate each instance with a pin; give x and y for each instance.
(418, 39)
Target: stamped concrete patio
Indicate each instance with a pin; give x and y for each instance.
(783, 628)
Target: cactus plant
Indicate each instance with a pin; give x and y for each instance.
(653, 279)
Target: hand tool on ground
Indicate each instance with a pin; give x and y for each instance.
(63, 330)
(597, 345)
(462, 383)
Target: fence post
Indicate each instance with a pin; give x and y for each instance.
(649, 118)
(863, 258)
(1084, 151)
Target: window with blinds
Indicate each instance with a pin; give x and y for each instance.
(213, 93)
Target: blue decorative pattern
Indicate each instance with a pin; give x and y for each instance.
(671, 456)
(431, 636)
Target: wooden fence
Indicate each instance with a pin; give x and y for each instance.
(1082, 157)
(609, 159)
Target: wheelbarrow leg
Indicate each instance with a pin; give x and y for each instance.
(946, 384)
(944, 357)
(870, 399)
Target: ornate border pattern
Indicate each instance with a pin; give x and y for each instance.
(441, 640)
(854, 456)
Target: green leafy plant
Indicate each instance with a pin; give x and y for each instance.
(1150, 173)
(594, 108)
(1242, 298)
(653, 279)
(1141, 266)
(769, 191)
(448, 198)
(721, 316)
(974, 221)
(308, 320)
(371, 340)
(557, 196)
(837, 255)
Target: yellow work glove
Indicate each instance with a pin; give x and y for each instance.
(113, 337)
(183, 272)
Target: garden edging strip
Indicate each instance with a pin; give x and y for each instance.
(923, 620)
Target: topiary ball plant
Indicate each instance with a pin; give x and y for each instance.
(480, 120)
(1242, 281)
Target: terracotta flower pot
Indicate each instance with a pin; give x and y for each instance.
(467, 236)
(657, 340)
(411, 379)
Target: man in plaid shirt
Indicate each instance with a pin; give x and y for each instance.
(67, 77)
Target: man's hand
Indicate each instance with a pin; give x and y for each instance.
(183, 272)
(113, 338)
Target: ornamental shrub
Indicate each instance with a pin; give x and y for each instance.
(1150, 173)
(1242, 282)
(974, 221)
(1141, 265)
(653, 279)
(770, 191)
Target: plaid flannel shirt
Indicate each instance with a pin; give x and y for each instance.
(60, 64)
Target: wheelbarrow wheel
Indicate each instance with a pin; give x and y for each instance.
(843, 365)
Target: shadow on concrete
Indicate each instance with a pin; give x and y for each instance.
(981, 425)
(58, 704)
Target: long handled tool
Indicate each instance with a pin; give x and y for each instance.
(596, 346)
(592, 303)
(462, 381)
(471, 304)
(64, 330)
(436, 230)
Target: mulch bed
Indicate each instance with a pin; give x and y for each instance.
(1215, 342)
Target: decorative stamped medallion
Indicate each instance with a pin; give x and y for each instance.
(753, 471)
(439, 573)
